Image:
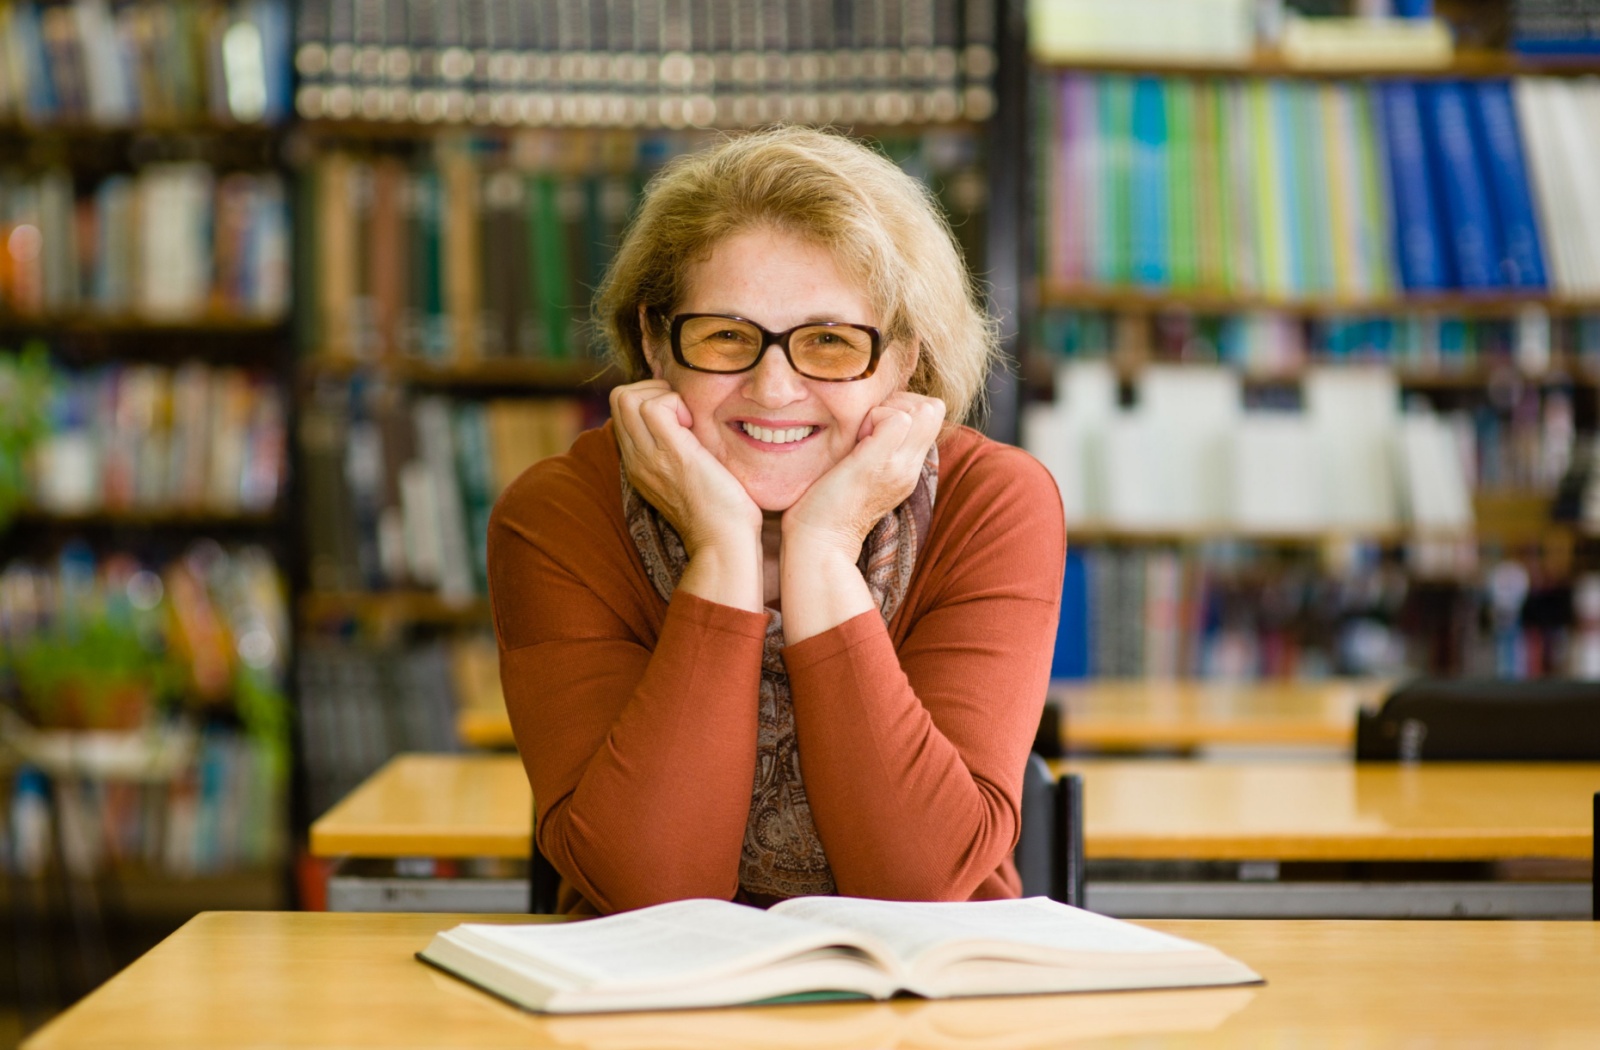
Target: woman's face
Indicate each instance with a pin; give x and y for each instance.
(777, 280)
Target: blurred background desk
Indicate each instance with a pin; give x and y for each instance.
(1169, 837)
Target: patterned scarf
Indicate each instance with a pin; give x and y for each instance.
(782, 855)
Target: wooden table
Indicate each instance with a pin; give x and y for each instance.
(1135, 809)
(1141, 715)
(307, 980)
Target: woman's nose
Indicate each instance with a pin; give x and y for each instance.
(773, 381)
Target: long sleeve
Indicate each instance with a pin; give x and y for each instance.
(637, 727)
(913, 735)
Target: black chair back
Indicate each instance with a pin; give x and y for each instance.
(1049, 853)
(1486, 720)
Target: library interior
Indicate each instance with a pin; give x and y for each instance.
(1297, 302)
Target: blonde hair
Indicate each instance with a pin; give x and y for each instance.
(881, 225)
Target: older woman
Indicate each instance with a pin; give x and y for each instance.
(781, 627)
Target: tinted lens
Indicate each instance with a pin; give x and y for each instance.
(831, 351)
(719, 344)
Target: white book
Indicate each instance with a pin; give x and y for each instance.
(1438, 493)
(1277, 476)
(700, 953)
(1354, 414)
(1191, 412)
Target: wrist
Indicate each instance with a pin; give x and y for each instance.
(809, 544)
(727, 572)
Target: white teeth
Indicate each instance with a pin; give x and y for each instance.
(779, 436)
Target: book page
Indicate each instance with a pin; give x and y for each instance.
(913, 928)
(667, 944)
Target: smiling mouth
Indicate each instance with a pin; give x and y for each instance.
(777, 435)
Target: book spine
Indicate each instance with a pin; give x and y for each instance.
(1521, 263)
(1416, 226)
(1467, 219)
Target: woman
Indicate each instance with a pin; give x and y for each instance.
(780, 628)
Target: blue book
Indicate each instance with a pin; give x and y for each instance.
(1470, 240)
(1071, 659)
(1411, 8)
(1150, 207)
(1416, 225)
(1499, 141)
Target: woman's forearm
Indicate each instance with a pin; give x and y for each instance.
(821, 588)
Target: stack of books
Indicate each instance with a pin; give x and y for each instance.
(645, 63)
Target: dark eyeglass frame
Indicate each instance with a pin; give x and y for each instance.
(781, 339)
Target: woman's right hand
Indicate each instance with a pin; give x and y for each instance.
(675, 473)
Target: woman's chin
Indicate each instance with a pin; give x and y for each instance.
(774, 499)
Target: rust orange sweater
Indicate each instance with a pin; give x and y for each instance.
(636, 718)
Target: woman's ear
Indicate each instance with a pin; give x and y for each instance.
(908, 368)
(649, 344)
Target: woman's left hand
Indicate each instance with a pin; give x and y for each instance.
(840, 508)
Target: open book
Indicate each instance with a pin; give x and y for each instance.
(713, 953)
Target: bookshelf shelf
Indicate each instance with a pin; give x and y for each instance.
(147, 519)
(506, 373)
(1153, 301)
(133, 325)
(162, 129)
(410, 607)
(1466, 65)
(1486, 532)
(1037, 372)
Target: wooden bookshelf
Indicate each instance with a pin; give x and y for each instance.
(1466, 64)
(1039, 367)
(405, 607)
(506, 372)
(1167, 300)
(79, 129)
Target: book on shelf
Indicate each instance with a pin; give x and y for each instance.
(170, 243)
(699, 953)
(1202, 32)
(644, 63)
(166, 62)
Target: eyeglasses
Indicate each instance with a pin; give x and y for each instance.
(832, 351)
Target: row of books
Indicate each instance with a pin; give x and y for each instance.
(1187, 454)
(399, 489)
(215, 614)
(1264, 342)
(1297, 189)
(362, 703)
(473, 254)
(1556, 27)
(173, 242)
(148, 439)
(1169, 613)
(144, 62)
(1558, 118)
(645, 63)
(223, 811)
(456, 262)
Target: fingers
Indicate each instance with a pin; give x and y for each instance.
(628, 404)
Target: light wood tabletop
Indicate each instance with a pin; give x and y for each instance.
(425, 805)
(1133, 715)
(1173, 809)
(1150, 809)
(307, 980)
(1140, 714)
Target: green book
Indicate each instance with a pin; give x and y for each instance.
(477, 487)
(1311, 165)
(551, 283)
(1114, 261)
(1182, 238)
(426, 284)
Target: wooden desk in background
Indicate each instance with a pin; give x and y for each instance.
(1144, 715)
(321, 980)
(1137, 810)
(419, 809)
